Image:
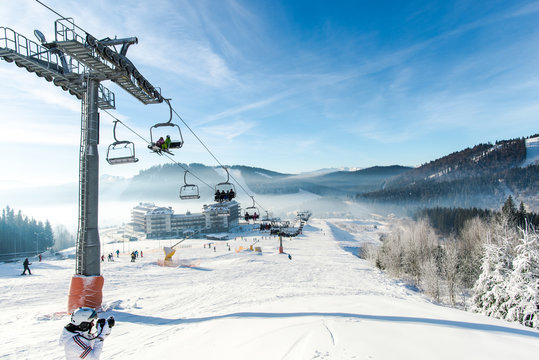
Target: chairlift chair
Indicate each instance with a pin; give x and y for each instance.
(173, 131)
(252, 212)
(189, 191)
(226, 188)
(120, 152)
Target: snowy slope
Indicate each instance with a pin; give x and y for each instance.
(325, 303)
(532, 151)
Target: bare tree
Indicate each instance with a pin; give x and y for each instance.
(430, 280)
(451, 268)
(472, 239)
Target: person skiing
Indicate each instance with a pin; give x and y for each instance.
(25, 264)
(79, 337)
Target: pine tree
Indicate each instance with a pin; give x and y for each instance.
(490, 291)
(509, 209)
(523, 286)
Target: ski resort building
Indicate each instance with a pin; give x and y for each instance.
(221, 216)
(161, 222)
(138, 216)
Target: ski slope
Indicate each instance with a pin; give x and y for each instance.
(532, 151)
(325, 303)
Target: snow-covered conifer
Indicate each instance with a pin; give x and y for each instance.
(490, 291)
(523, 285)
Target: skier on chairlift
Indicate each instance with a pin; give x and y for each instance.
(160, 142)
(166, 144)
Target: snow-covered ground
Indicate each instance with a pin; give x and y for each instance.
(325, 303)
(532, 151)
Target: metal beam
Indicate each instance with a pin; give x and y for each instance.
(50, 65)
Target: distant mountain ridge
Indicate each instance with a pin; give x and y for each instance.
(259, 180)
(482, 176)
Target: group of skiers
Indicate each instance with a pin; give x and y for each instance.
(248, 217)
(163, 144)
(265, 226)
(135, 254)
(221, 196)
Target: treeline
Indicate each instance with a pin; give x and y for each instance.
(492, 262)
(488, 190)
(451, 221)
(20, 234)
(482, 159)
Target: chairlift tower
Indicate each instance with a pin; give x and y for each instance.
(78, 63)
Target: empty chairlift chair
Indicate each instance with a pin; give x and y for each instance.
(120, 152)
(189, 191)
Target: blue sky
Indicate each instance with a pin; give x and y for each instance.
(290, 86)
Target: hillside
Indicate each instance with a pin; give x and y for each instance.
(259, 181)
(325, 303)
(482, 176)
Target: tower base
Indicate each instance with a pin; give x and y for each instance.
(85, 291)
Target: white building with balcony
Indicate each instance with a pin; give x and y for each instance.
(161, 222)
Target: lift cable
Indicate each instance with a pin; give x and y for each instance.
(168, 156)
(217, 160)
(192, 132)
(62, 16)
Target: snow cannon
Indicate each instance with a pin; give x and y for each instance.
(170, 251)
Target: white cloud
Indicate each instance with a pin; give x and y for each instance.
(229, 130)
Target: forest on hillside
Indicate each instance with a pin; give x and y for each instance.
(478, 161)
(491, 264)
(488, 190)
(452, 221)
(21, 234)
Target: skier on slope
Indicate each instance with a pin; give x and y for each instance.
(80, 339)
(26, 264)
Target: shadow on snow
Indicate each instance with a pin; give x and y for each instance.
(132, 318)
